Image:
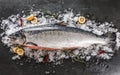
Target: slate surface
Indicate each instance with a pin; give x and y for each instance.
(104, 10)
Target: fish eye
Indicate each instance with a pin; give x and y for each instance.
(17, 35)
(12, 37)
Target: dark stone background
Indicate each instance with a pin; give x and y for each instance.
(104, 10)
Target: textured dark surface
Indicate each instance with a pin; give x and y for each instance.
(104, 10)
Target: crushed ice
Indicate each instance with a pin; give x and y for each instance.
(12, 24)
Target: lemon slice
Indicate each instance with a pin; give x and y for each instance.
(15, 49)
(34, 21)
(81, 19)
(20, 52)
(30, 18)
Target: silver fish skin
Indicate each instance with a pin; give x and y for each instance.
(61, 37)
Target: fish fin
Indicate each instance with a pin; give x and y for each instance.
(112, 39)
(112, 36)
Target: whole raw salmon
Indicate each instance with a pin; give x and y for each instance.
(56, 36)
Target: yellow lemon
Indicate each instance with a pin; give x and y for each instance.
(20, 52)
(15, 49)
(34, 21)
(81, 19)
(30, 18)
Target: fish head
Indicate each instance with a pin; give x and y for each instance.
(17, 38)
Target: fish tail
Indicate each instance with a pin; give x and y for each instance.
(112, 36)
(112, 39)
